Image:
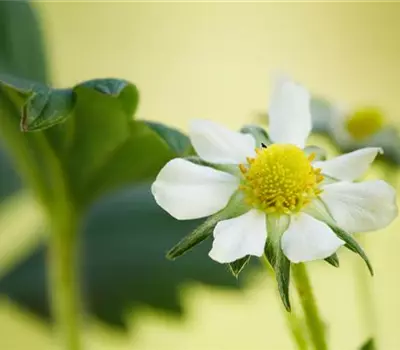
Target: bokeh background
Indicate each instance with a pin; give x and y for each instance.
(214, 60)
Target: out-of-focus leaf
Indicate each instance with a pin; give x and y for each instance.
(21, 54)
(368, 345)
(123, 259)
(21, 44)
(177, 141)
(85, 139)
(321, 113)
(260, 134)
(237, 266)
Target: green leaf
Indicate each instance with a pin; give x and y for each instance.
(21, 54)
(177, 141)
(352, 244)
(123, 246)
(368, 345)
(333, 260)
(85, 141)
(237, 266)
(21, 43)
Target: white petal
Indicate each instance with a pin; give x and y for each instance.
(289, 113)
(361, 207)
(309, 239)
(349, 166)
(217, 144)
(238, 237)
(190, 191)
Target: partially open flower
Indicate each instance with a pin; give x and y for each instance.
(278, 193)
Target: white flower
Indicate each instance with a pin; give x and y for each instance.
(279, 183)
(354, 129)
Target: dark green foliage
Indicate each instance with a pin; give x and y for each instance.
(123, 262)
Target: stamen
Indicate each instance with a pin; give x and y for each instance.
(243, 168)
(280, 179)
(312, 156)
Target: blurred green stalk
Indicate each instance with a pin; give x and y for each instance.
(313, 319)
(366, 302)
(64, 286)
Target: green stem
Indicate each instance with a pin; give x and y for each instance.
(366, 302)
(292, 320)
(64, 286)
(311, 313)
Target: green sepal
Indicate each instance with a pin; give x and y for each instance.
(237, 266)
(273, 251)
(281, 265)
(234, 208)
(282, 270)
(333, 260)
(259, 134)
(368, 345)
(319, 211)
(197, 236)
(352, 245)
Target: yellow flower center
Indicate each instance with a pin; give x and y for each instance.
(365, 122)
(280, 179)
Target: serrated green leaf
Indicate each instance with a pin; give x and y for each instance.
(333, 260)
(237, 266)
(368, 345)
(176, 140)
(85, 138)
(352, 244)
(22, 55)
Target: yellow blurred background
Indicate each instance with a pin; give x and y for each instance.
(216, 60)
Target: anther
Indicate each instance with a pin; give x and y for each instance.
(243, 168)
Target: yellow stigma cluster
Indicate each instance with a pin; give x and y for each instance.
(280, 179)
(364, 123)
